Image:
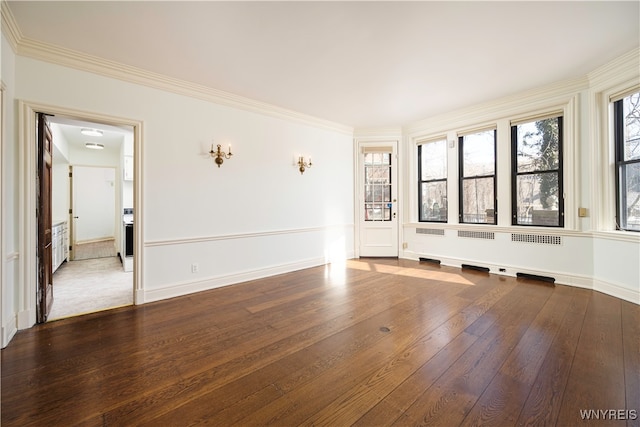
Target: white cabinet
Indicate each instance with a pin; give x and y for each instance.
(59, 244)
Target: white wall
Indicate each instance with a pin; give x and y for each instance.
(94, 203)
(60, 184)
(60, 191)
(10, 193)
(617, 267)
(127, 186)
(226, 220)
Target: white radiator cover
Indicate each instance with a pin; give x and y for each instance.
(576, 259)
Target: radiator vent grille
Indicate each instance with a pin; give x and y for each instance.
(477, 234)
(544, 239)
(432, 231)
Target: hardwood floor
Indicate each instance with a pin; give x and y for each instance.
(373, 343)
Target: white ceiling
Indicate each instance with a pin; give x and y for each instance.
(361, 64)
(112, 136)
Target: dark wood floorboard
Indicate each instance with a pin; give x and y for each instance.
(379, 342)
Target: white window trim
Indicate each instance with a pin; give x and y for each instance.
(415, 205)
(603, 159)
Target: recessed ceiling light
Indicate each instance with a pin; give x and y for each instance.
(94, 145)
(91, 132)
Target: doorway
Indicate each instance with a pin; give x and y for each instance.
(378, 199)
(87, 285)
(93, 207)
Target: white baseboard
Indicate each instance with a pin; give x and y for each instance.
(138, 297)
(185, 288)
(8, 331)
(579, 281)
(26, 319)
(617, 291)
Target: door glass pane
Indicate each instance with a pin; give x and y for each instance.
(376, 212)
(387, 212)
(377, 193)
(387, 193)
(368, 193)
(377, 186)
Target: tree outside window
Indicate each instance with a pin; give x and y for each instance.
(537, 173)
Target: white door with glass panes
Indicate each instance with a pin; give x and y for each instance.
(378, 217)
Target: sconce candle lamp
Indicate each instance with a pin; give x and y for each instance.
(220, 155)
(302, 165)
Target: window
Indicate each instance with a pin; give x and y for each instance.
(627, 142)
(537, 194)
(478, 177)
(377, 186)
(432, 172)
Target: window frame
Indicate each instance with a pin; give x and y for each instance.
(462, 178)
(387, 164)
(620, 163)
(559, 171)
(421, 181)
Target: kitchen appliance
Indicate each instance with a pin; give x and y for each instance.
(127, 237)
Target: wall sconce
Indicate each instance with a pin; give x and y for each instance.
(302, 165)
(220, 155)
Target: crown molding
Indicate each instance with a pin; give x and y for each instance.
(84, 62)
(625, 67)
(390, 132)
(9, 26)
(549, 96)
(93, 64)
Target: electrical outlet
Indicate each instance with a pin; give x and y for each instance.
(405, 245)
(194, 267)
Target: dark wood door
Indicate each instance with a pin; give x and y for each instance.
(45, 261)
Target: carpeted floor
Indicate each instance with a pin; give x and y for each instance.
(85, 286)
(98, 249)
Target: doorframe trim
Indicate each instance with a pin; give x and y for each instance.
(27, 187)
(359, 142)
(4, 332)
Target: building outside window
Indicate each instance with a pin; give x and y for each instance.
(627, 148)
(432, 173)
(478, 177)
